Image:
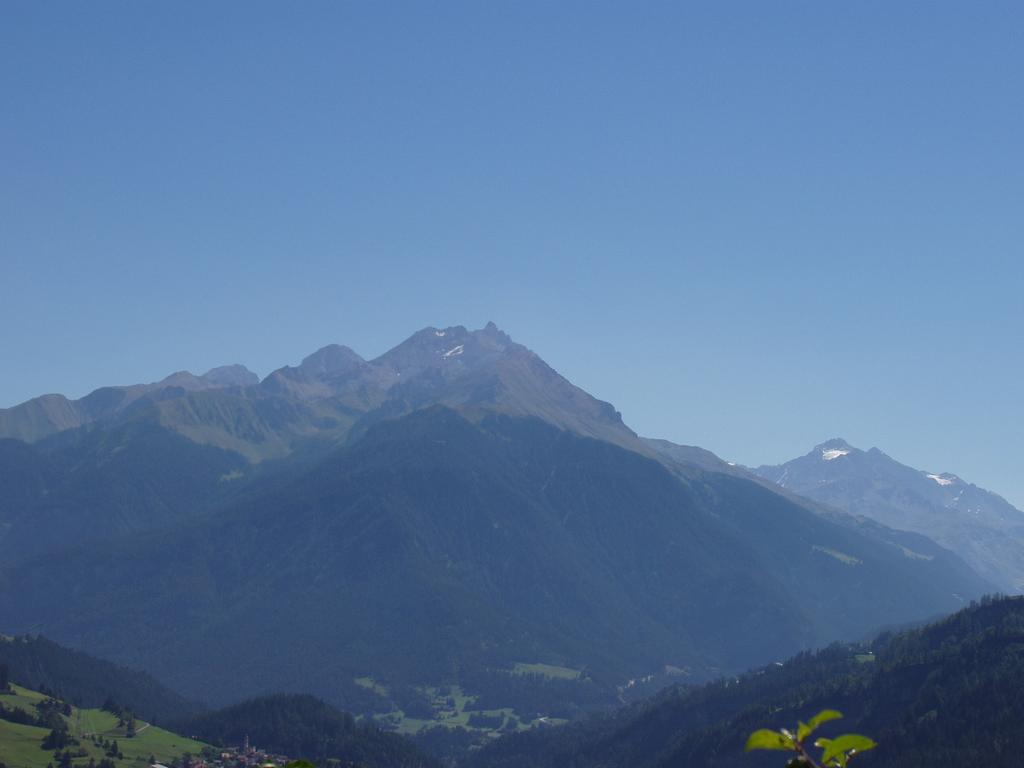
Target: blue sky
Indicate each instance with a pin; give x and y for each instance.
(750, 226)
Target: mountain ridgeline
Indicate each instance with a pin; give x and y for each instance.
(332, 392)
(439, 518)
(138, 458)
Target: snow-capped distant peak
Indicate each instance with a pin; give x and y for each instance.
(942, 479)
(830, 454)
(454, 351)
(439, 333)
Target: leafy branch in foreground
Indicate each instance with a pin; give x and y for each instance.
(836, 753)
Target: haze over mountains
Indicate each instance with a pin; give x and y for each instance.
(980, 526)
(331, 391)
(435, 516)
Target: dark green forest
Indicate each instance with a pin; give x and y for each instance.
(304, 727)
(42, 665)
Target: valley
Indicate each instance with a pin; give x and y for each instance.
(460, 384)
(453, 548)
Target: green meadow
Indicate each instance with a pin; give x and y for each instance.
(454, 708)
(20, 745)
(548, 670)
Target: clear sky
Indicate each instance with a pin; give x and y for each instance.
(751, 226)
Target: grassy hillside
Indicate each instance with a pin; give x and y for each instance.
(21, 745)
(416, 709)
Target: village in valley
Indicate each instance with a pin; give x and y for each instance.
(244, 756)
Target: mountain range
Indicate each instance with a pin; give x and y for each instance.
(441, 515)
(980, 526)
(332, 393)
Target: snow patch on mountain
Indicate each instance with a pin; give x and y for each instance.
(833, 453)
(941, 480)
(454, 351)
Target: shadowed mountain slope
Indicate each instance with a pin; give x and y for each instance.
(90, 485)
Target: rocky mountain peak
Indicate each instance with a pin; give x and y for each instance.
(454, 347)
(330, 360)
(833, 449)
(231, 376)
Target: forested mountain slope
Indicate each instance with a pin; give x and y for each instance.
(944, 696)
(436, 545)
(303, 727)
(86, 681)
(92, 485)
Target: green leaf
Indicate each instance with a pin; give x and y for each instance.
(803, 730)
(837, 761)
(767, 739)
(846, 745)
(823, 717)
(806, 729)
